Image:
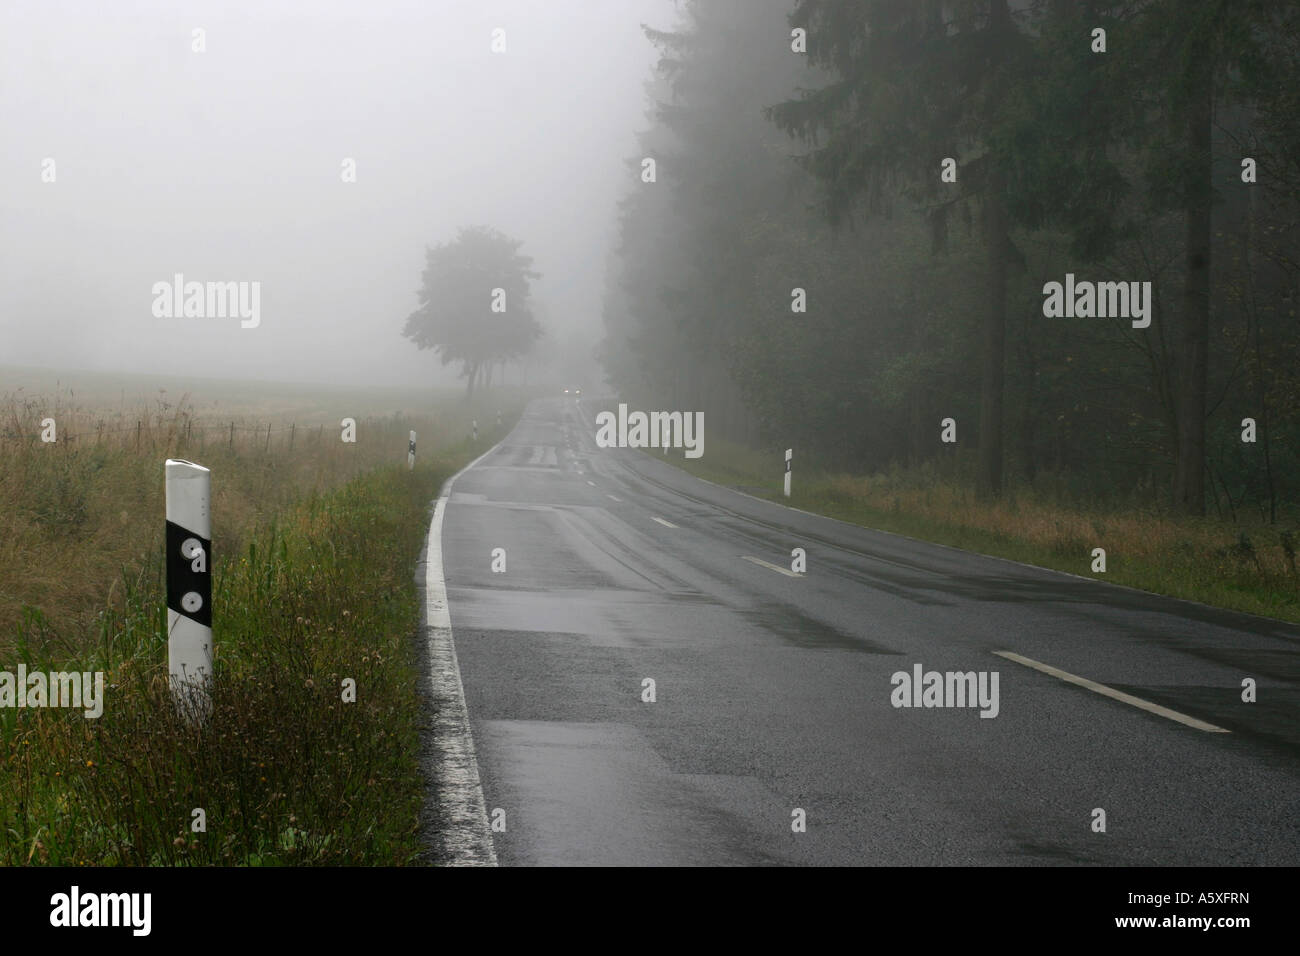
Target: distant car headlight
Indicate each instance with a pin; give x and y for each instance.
(566, 391)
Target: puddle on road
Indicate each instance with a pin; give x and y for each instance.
(1031, 850)
(1268, 727)
(804, 631)
(1280, 664)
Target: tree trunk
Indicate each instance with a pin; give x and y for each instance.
(995, 337)
(1189, 487)
(1260, 374)
(1028, 445)
(993, 378)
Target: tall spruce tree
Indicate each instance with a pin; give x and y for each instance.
(918, 82)
(1005, 90)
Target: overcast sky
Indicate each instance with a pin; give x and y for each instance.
(226, 166)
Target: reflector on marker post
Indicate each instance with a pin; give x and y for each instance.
(410, 452)
(189, 584)
(789, 453)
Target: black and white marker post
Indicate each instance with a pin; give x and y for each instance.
(789, 453)
(189, 585)
(475, 426)
(410, 453)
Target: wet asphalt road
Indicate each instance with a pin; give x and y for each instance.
(774, 692)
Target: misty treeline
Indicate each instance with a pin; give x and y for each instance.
(474, 304)
(778, 170)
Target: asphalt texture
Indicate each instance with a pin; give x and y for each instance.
(773, 691)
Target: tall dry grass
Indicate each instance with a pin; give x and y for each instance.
(79, 513)
(314, 548)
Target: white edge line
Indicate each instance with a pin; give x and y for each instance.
(774, 567)
(465, 833)
(612, 498)
(666, 524)
(1112, 693)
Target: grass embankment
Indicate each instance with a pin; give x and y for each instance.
(1249, 565)
(314, 550)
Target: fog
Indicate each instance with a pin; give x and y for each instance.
(227, 165)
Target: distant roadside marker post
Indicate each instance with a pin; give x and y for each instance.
(410, 452)
(189, 585)
(475, 426)
(789, 454)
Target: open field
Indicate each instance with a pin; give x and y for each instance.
(79, 512)
(214, 399)
(314, 546)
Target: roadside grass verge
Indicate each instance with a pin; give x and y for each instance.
(80, 516)
(1247, 566)
(314, 550)
(284, 771)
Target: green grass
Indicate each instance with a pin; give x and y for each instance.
(285, 771)
(315, 544)
(1246, 566)
(79, 513)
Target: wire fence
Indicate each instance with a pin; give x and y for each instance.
(155, 433)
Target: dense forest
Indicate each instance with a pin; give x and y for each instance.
(857, 208)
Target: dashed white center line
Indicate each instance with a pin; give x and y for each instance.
(612, 498)
(1112, 693)
(590, 482)
(666, 524)
(772, 567)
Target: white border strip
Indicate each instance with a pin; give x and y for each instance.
(1112, 693)
(772, 567)
(464, 830)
